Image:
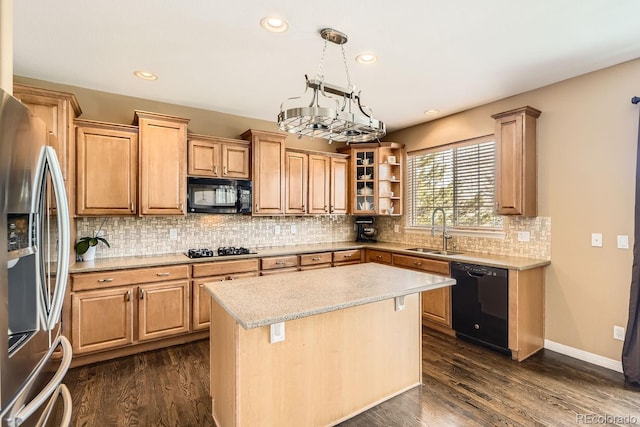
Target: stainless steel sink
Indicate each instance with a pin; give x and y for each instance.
(434, 251)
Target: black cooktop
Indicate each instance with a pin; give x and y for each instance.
(222, 251)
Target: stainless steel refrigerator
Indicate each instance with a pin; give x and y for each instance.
(34, 262)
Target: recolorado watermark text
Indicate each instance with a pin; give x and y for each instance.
(606, 419)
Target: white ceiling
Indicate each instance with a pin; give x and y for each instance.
(449, 55)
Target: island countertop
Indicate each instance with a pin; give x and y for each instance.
(261, 301)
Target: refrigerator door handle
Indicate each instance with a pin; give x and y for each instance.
(63, 392)
(48, 158)
(26, 411)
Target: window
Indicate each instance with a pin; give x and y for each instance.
(460, 178)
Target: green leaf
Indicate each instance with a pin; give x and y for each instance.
(82, 246)
(93, 241)
(103, 240)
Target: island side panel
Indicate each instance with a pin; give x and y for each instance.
(330, 367)
(223, 347)
(526, 312)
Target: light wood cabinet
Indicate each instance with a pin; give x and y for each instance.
(516, 173)
(207, 272)
(102, 319)
(107, 307)
(315, 182)
(315, 261)
(296, 182)
(436, 304)
(268, 171)
(217, 157)
(163, 309)
(163, 162)
(107, 168)
(382, 257)
(347, 257)
(376, 178)
(57, 109)
(339, 192)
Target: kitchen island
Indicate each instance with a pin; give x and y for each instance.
(351, 340)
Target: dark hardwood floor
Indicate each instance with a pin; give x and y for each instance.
(463, 385)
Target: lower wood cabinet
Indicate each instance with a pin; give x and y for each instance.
(436, 304)
(107, 307)
(378, 256)
(214, 272)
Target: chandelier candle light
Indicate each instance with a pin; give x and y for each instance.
(340, 121)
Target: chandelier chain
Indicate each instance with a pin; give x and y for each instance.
(346, 68)
(321, 65)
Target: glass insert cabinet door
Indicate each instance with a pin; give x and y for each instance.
(366, 187)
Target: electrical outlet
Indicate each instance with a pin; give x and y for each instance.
(396, 228)
(276, 230)
(596, 240)
(618, 333)
(173, 234)
(623, 242)
(294, 229)
(276, 332)
(524, 236)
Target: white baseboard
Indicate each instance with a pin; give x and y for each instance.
(596, 359)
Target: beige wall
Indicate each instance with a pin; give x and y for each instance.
(114, 108)
(587, 137)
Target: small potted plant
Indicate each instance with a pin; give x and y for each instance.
(86, 246)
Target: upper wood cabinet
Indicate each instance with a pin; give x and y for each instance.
(216, 157)
(516, 174)
(107, 168)
(376, 178)
(268, 171)
(315, 182)
(296, 182)
(57, 110)
(339, 182)
(163, 163)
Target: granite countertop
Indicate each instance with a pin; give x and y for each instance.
(121, 263)
(261, 301)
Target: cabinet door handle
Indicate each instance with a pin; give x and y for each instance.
(105, 280)
(131, 207)
(202, 285)
(332, 209)
(128, 296)
(163, 274)
(181, 207)
(215, 170)
(224, 170)
(141, 293)
(257, 209)
(304, 209)
(325, 208)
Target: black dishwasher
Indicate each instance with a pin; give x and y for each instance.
(480, 304)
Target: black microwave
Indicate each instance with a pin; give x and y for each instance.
(222, 196)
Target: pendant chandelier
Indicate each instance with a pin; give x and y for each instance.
(333, 113)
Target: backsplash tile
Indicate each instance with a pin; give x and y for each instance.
(538, 246)
(133, 236)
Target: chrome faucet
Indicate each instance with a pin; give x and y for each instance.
(445, 236)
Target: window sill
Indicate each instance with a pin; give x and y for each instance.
(489, 234)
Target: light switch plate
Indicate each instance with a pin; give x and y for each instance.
(396, 228)
(276, 230)
(524, 236)
(623, 242)
(400, 303)
(294, 230)
(618, 333)
(173, 234)
(596, 240)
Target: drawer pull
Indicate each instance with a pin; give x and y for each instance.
(104, 280)
(378, 256)
(418, 263)
(279, 262)
(315, 259)
(202, 285)
(348, 256)
(163, 274)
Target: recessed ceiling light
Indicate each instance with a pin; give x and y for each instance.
(432, 112)
(366, 58)
(145, 75)
(274, 24)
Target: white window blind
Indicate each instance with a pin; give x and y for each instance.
(460, 178)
